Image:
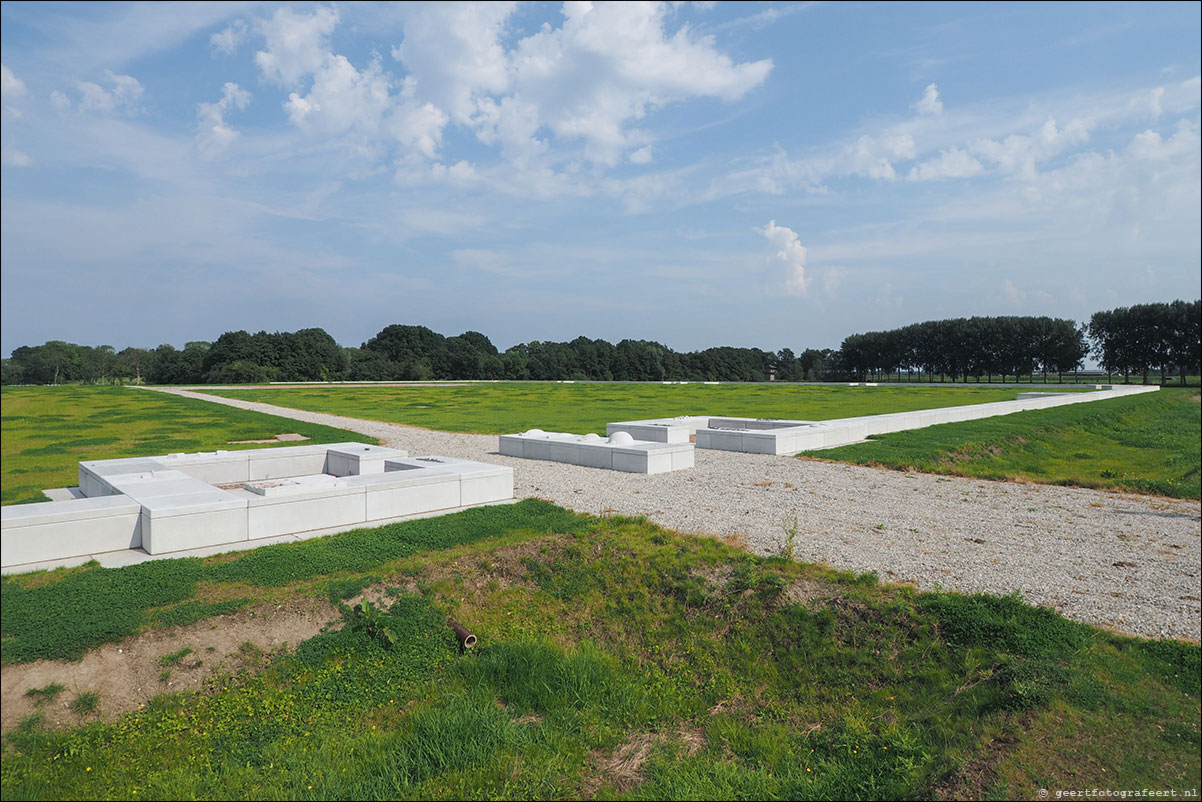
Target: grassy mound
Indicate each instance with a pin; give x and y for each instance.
(617, 659)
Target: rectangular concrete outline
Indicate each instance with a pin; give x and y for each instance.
(160, 505)
(593, 451)
(783, 437)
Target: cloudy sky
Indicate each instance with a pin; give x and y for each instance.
(756, 174)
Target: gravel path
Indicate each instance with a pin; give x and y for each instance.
(1127, 562)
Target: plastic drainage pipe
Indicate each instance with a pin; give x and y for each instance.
(466, 639)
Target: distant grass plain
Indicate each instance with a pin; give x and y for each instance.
(506, 407)
(1149, 443)
(48, 430)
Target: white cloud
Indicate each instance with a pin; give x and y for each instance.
(930, 104)
(1150, 145)
(214, 134)
(342, 98)
(454, 55)
(951, 163)
(791, 253)
(1018, 154)
(873, 157)
(296, 44)
(641, 156)
(60, 101)
(228, 39)
(122, 97)
(11, 86)
(11, 157)
(586, 81)
(419, 127)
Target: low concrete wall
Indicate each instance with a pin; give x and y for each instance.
(620, 452)
(805, 436)
(142, 504)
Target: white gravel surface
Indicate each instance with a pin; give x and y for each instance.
(1123, 561)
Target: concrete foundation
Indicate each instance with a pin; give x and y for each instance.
(185, 502)
(619, 452)
(767, 436)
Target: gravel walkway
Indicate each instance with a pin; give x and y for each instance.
(1127, 562)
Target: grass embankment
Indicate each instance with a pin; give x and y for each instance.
(509, 407)
(1147, 443)
(615, 658)
(48, 430)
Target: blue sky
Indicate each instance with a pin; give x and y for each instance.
(754, 174)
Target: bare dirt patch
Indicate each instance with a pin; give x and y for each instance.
(622, 769)
(290, 437)
(128, 674)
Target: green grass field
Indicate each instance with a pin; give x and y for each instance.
(1148, 443)
(48, 430)
(507, 407)
(616, 660)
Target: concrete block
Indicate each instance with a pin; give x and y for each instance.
(512, 445)
(359, 459)
(479, 482)
(62, 529)
(190, 526)
(215, 467)
(434, 492)
(596, 456)
(302, 510)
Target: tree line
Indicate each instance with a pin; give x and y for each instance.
(1138, 339)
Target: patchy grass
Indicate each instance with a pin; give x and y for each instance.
(503, 407)
(617, 659)
(46, 694)
(1147, 443)
(48, 430)
(60, 614)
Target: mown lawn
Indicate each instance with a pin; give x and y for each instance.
(48, 430)
(616, 659)
(507, 407)
(1147, 443)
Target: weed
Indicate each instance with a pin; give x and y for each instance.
(788, 547)
(85, 704)
(174, 658)
(45, 694)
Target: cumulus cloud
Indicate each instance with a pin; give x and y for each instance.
(296, 44)
(643, 155)
(791, 253)
(1150, 145)
(227, 40)
(930, 104)
(576, 90)
(454, 56)
(214, 134)
(342, 97)
(950, 163)
(121, 97)
(611, 64)
(11, 87)
(873, 157)
(1018, 154)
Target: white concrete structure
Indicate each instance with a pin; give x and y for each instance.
(183, 502)
(619, 452)
(768, 436)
